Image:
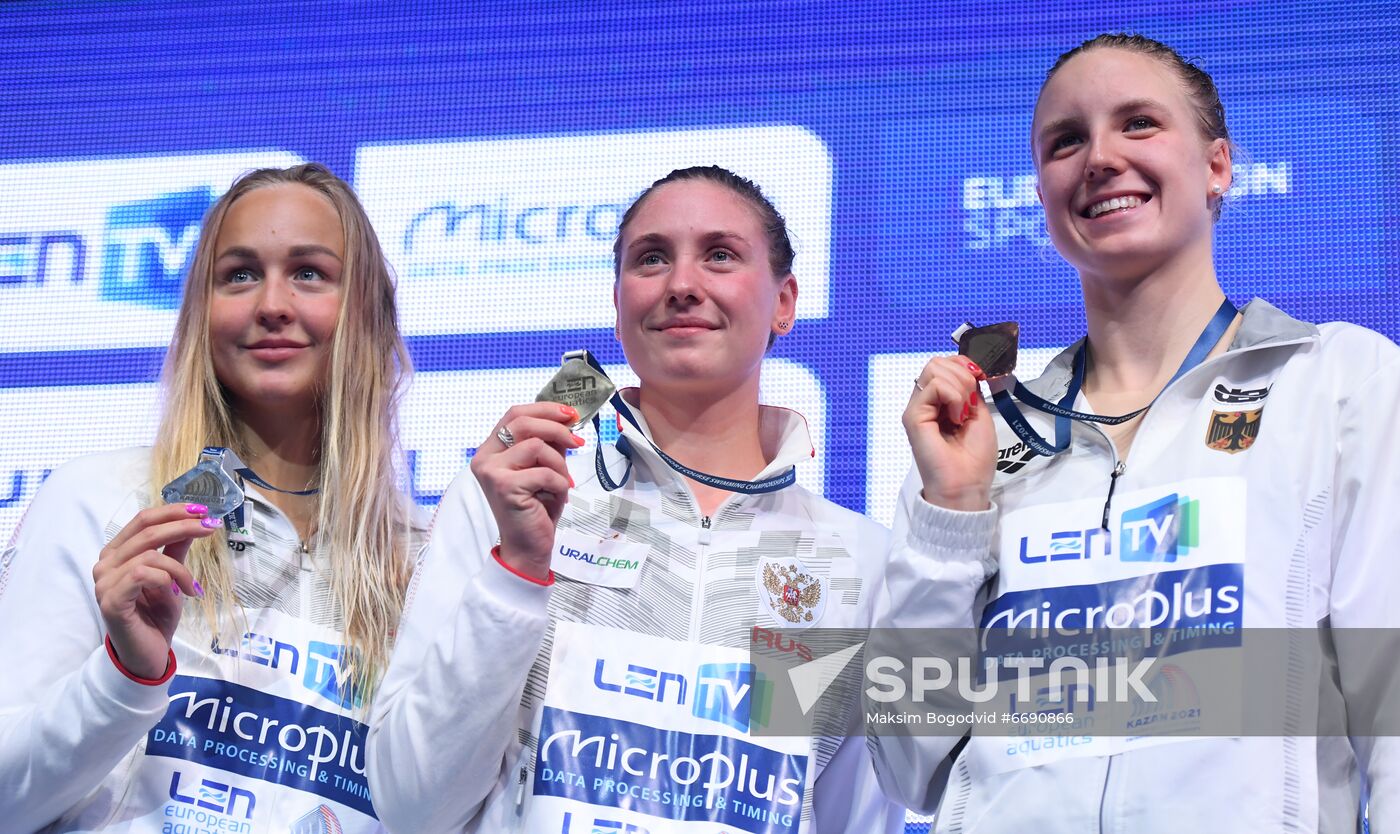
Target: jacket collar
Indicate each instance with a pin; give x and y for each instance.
(1264, 325)
(778, 428)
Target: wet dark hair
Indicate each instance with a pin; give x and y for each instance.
(780, 251)
(1200, 87)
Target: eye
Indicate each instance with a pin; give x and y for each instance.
(652, 258)
(306, 273)
(1140, 123)
(240, 276)
(723, 256)
(1063, 143)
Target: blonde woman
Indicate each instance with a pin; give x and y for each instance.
(170, 670)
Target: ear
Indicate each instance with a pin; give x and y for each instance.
(785, 311)
(617, 333)
(1039, 198)
(1222, 169)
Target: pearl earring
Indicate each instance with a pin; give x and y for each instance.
(1216, 188)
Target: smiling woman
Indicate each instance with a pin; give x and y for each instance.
(286, 352)
(553, 598)
(1261, 445)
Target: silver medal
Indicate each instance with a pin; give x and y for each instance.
(579, 385)
(210, 483)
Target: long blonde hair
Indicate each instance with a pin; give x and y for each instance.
(363, 518)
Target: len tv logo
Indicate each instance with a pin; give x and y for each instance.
(1160, 531)
(149, 246)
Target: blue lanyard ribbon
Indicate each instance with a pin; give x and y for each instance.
(249, 475)
(762, 485)
(1063, 411)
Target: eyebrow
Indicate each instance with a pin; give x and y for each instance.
(244, 253)
(1131, 106)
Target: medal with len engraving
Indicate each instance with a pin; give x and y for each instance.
(580, 385)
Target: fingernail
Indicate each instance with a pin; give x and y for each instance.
(569, 412)
(211, 523)
(198, 589)
(967, 410)
(571, 482)
(174, 589)
(196, 509)
(976, 370)
(579, 441)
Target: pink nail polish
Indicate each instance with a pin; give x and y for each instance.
(196, 509)
(211, 523)
(174, 589)
(198, 589)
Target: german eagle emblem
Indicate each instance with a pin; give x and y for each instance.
(1233, 431)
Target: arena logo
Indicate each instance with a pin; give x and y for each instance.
(471, 239)
(1000, 210)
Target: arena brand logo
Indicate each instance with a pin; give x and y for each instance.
(215, 796)
(149, 245)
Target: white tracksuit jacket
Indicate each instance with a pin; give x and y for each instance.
(1309, 508)
(641, 579)
(246, 739)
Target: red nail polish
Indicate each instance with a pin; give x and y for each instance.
(579, 441)
(196, 509)
(571, 482)
(967, 410)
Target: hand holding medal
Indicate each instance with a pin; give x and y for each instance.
(141, 575)
(950, 430)
(522, 468)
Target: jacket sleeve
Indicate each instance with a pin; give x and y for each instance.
(67, 715)
(1366, 576)
(939, 561)
(445, 718)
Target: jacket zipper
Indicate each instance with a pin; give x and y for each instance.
(1112, 482)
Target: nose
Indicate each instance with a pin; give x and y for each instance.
(275, 301)
(684, 284)
(1103, 159)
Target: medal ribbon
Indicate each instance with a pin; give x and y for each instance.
(762, 485)
(1063, 411)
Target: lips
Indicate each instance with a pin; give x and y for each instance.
(1113, 204)
(682, 325)
(273, 350)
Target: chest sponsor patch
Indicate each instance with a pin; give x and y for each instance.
(1240, 396)
(645, 735)
(611, 561)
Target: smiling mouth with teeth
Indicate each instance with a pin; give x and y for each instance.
(1115, 204)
